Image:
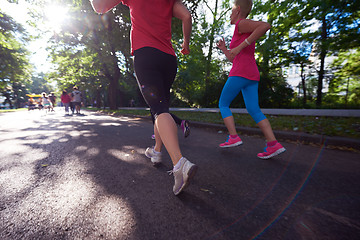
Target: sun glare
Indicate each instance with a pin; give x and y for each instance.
(55, 16)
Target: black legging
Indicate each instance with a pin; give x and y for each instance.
(155, 73)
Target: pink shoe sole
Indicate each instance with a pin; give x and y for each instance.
(231, 145)
(277, 152)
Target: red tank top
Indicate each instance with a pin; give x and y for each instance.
(244, 64)
(151, 24)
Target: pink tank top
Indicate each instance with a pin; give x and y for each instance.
(244, 64)
(151, 24)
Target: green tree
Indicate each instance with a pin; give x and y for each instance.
(273, 52)
(338, 30)
(201, 74)
(346, 81)
(39, 84)
(14, 61)
(95, 51)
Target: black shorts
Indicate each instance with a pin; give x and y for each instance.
(155, 73)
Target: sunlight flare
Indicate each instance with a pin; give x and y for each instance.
(55, 16)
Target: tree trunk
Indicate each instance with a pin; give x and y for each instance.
(303, 83)
(323, 50)
(98, 98)
(112, 72)
(209, 56)
(113, 91)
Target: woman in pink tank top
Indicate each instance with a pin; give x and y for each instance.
(244, 76)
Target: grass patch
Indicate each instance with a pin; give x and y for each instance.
(12, 110)
(329, 126)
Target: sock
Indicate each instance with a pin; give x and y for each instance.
(233, 136)
(271, 144)
(177, 166)
(156, 152)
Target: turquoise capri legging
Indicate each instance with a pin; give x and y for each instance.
(249, 89)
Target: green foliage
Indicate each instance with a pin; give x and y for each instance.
(93, 52)
(39, 84)
(201, 76)
(14, 62)
(345, 86)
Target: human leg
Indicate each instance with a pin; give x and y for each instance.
(72, 107)
(230, 90)
(155, 73)
(266, 129)
(251, 99)
(66, 105)
(250, 94)
(230, 125)
(167, 129)
(77, 107)
(184, 124)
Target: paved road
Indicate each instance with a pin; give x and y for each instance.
(86, 177)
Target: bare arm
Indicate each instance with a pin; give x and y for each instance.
(221, 45)
(182, 13)
(257, 29)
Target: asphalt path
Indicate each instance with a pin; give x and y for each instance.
(86, 177)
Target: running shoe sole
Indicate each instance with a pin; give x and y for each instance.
(232, 145)
(279, 151)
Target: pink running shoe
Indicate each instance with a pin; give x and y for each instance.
(231, 142)
(270, 152)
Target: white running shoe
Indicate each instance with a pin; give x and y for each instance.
(155, 157)
(183, 175)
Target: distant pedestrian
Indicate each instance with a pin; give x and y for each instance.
(31, 104)
(72, 106)
(155, 66)
(244, 76)
(76, 99)
(46, 102)
(52, 99)
(66, 99)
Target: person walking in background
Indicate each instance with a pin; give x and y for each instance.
(72, 106)
(46, 102)
(76, 99)
(155, 67)
(31, 104)
(244, 76)
(66, 99)
(52, 99)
